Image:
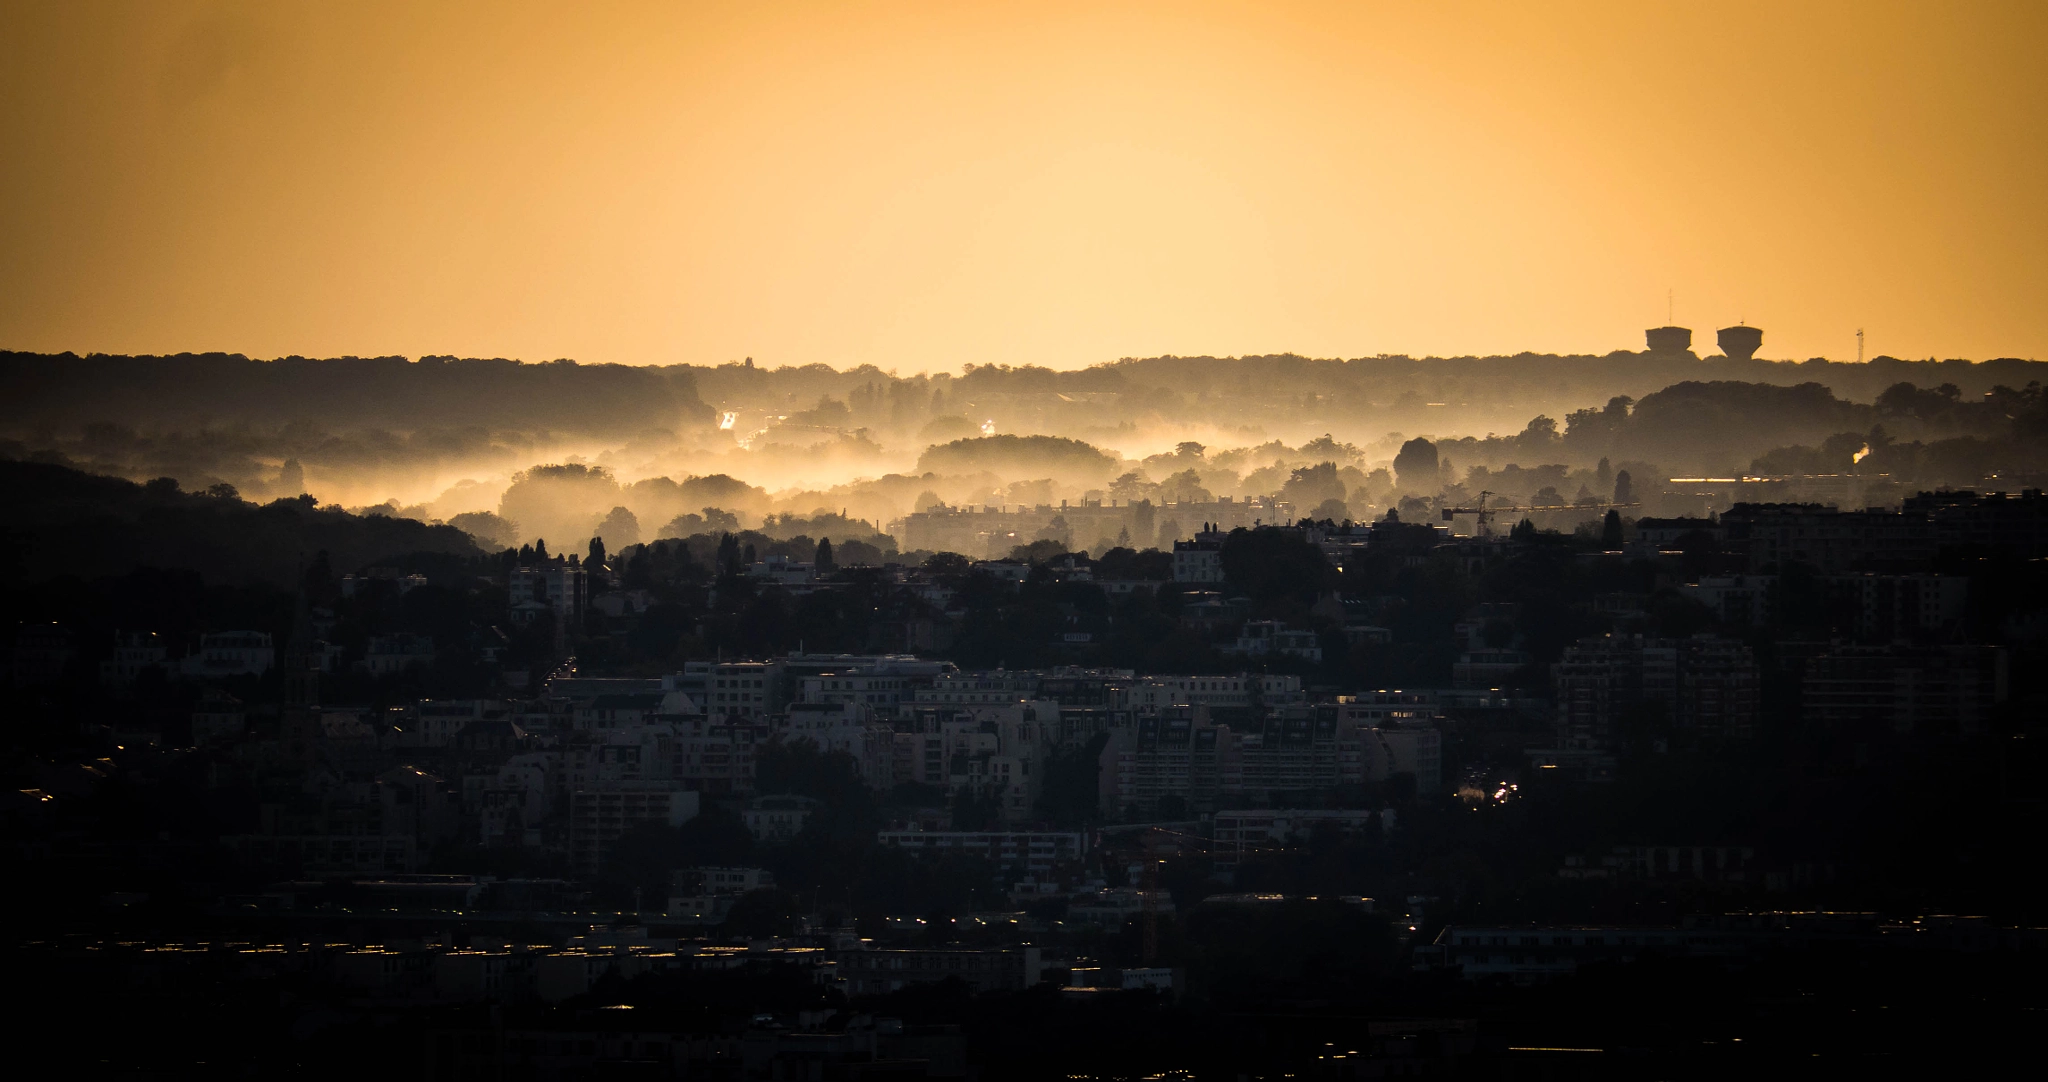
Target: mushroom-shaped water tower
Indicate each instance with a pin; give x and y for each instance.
(1668, 339)
(1740, 342)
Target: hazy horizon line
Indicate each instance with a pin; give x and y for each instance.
(968, 366)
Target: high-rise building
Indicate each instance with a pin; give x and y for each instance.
(1705, 685)
(1905, 688)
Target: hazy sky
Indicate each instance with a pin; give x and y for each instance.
(921, 186)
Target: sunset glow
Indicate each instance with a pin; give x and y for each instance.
(921, 186)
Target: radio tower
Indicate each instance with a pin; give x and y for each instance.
(1859, 345)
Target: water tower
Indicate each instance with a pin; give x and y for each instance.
(1740, 342)
(1668, 339)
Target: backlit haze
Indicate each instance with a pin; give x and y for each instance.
(989, 541)
(924, 186)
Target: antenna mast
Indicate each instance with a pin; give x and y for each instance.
(1859, 345)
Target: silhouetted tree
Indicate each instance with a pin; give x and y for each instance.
(728, 554)
(1069, 793)
(1039, 551)
(948, 564)
(1268, 564)
(620, 528)
(1416, 467)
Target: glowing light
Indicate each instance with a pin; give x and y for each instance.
(988, 427)
(728, 419)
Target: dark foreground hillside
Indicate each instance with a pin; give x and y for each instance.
(63, 522)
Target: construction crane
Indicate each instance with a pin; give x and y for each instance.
(1154, 841)
(1485, 514)
(1148, 894)
(1151, 840)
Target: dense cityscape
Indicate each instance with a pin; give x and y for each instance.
(1023, 542)
(1461, 784)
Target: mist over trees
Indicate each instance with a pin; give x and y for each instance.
(512, 453)
(1032, 454)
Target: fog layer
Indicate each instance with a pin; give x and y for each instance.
(1132, 452)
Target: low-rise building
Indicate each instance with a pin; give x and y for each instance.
(706, 895)
(1217, 694)
(231, 653)
(322, 855)
(1113, 907)
(783, 570)
(1199, 560)
(1272, 638)
(618, 711)
(1905, 688)
(881, 693)
(387, 655)
(1415, 749)
(434, 722)
(1527, 955)
(849, 728)
(135, 652)
(598, 816)
(710, 880)
(217, 716)
(979, 689)
(40, 654)
(1033, 851)
(778, 818)
(877, 972)
(737, 689)
(1483, 669)
(1239, 834)
(556, 586)
(715, 755)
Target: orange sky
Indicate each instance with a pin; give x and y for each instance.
(926, 185)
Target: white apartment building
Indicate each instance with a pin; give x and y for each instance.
(1234, 691)
(231, 653)
(979, 689)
